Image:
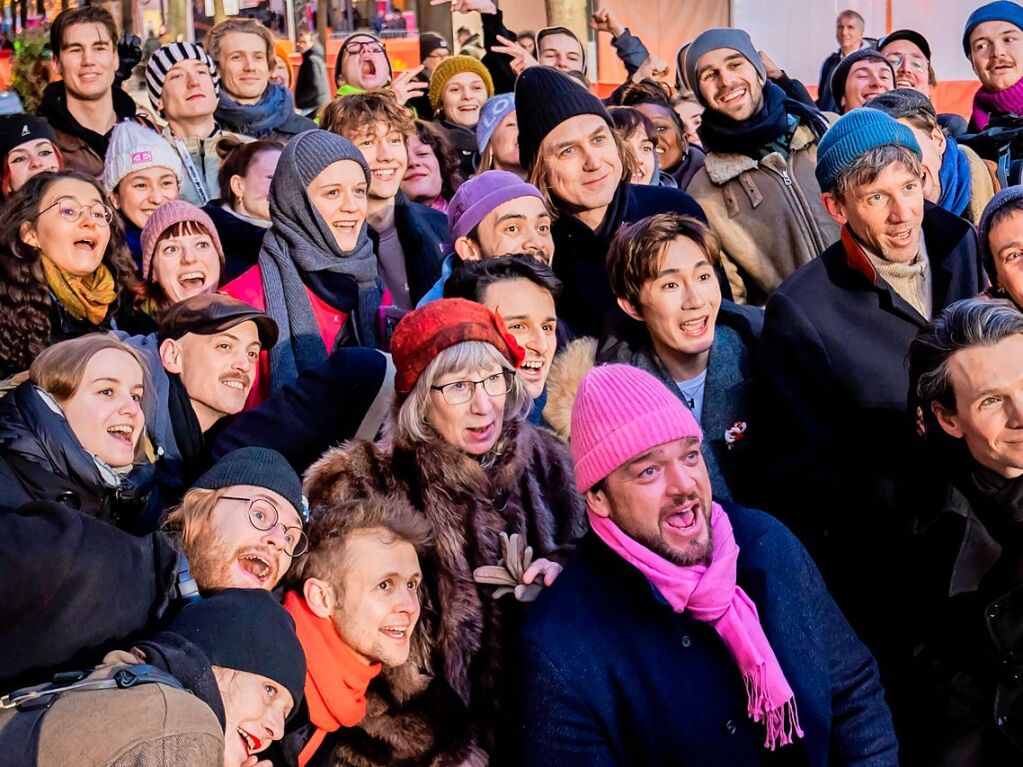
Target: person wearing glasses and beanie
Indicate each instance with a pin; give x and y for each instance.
(64, 268)
(462, 454)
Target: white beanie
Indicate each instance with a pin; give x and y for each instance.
(134, 147)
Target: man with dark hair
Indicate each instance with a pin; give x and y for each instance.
(355, 601)
(860, 77)
(833, 376)
(757, 185)
(85, 104)
(312, 90)
(849, 28)
(966, 372)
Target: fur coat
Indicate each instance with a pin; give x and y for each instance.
(443, 706)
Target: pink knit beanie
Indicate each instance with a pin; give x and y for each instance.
(163, 218)
(621, 412)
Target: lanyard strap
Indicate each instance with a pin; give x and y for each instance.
(192, 171)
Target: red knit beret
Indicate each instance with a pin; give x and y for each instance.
(426, 332)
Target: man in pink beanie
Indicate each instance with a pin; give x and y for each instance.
(683, 631)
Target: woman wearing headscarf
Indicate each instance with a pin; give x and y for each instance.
(460, 450)
(317, 272)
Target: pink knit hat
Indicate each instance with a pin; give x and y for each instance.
(163, 218)
(621, 412)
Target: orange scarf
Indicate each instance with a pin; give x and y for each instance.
(85, 298)
(336, 678)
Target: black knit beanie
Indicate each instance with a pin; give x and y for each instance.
(16, 130)
(259, 467)
(841, 73)
(246, 630)
(902, 102)
(545, 98)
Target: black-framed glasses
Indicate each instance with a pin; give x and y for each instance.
(357, 46)
(460, 392)
(264, 516)
(70, 210)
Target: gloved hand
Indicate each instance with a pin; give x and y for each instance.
(507, 573)
(129, 51)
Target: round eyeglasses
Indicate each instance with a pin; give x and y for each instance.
(264, 516)
(70, 210)
(460, 392)
(356, 47)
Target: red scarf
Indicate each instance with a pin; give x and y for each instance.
(336, 678)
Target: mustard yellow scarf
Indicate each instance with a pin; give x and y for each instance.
(85, 298)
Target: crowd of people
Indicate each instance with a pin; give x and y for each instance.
(457, 416)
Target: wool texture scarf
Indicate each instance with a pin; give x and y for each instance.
(335, 679)
(954, 174)
(260, 119)
(300, 250)
(986, 103)
(711, 595)
(84, 298)
(720, 133)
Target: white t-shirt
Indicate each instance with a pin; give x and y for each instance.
(692, 392)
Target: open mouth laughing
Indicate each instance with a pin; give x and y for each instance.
(258, 566)
(193, 281)
(122, 432)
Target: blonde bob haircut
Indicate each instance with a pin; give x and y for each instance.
(410, 422)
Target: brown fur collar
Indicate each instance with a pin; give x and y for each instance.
(722, 167)
(566, 374)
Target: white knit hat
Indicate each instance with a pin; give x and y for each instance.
(134, 147)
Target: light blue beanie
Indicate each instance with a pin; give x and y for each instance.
(493, 111)
(853, 134)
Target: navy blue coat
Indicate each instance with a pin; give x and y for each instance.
(613, 676)
(580, 252)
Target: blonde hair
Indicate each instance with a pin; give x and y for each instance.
(247, 26)
(60, 368)
(190, 520)
(409, 422)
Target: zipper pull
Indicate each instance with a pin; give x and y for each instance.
(786, 178)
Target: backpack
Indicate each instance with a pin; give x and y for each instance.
(1001, 143)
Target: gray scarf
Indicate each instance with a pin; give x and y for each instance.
(300, 243)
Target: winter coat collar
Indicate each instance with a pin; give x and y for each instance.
(722, 167)
(55, 109)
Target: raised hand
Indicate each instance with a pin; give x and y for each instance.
(604, 20)
(406, 87)
(468, 6)
(520, 58)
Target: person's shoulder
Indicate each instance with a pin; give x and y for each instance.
(813, 276)
(742, 317)
(247, 287)
(944, 230)
(761, 535)
(649, 200)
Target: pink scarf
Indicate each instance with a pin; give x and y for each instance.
(986, 103)
(711, 595)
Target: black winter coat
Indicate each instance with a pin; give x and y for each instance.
(242, 240)
(423, 234)
(41, 459)
(311, 87)
(463, 141)
(834, 383)
(580, 252)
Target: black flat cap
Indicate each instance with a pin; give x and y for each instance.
(211, 313)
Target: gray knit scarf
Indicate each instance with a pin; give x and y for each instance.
(301, 243)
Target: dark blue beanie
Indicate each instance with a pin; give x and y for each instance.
(1001, 10)
(1009, 196)
(853, 134)
(259, 467)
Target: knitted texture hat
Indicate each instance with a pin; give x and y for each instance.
(259, 467)
(621, 412)
(246, 630)
(712, 40)
(430, 42)
(559, 30)
(493, 111)
(456, 65)
(16, 130)
(910, 35)
(424, 333)
(480, 195)
(164, 59)
(853, 134)
(545, 98)
(134, 147)
(308, 153)
(1002, 10)
(163, 218)
(902, 102)
(1012, 195)
(841, 73)
(363, 37)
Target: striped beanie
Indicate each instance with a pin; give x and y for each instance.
(164, 58)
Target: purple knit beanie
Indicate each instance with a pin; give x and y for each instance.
(621, 412)
(163, 218)
(480, 195)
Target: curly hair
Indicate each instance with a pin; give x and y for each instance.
(451, 179)
(25, 300)
(349, 115)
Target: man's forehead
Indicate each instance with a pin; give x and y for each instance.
(86, 32)
(717, 56)
(993, 29)
(560, 40)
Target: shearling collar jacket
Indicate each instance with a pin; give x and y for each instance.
(768, 214)
(444, 703)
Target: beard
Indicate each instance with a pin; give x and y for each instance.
(211, 565)
(697, 553)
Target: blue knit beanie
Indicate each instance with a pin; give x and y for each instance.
(1009, 196)
(491, 114)
(1002, 10)
(855, 133)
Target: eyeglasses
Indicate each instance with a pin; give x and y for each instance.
(70, 210)
(913, 63)
(356, 47)
(264, 516)
(460, 392)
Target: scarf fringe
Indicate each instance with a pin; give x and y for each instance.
(781, 722)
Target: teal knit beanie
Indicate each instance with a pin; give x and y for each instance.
(852, 135)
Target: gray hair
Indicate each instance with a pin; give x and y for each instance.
(866, 168)
(410, 422)
(963, 325)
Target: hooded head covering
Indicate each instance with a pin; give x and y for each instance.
(363, 37)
